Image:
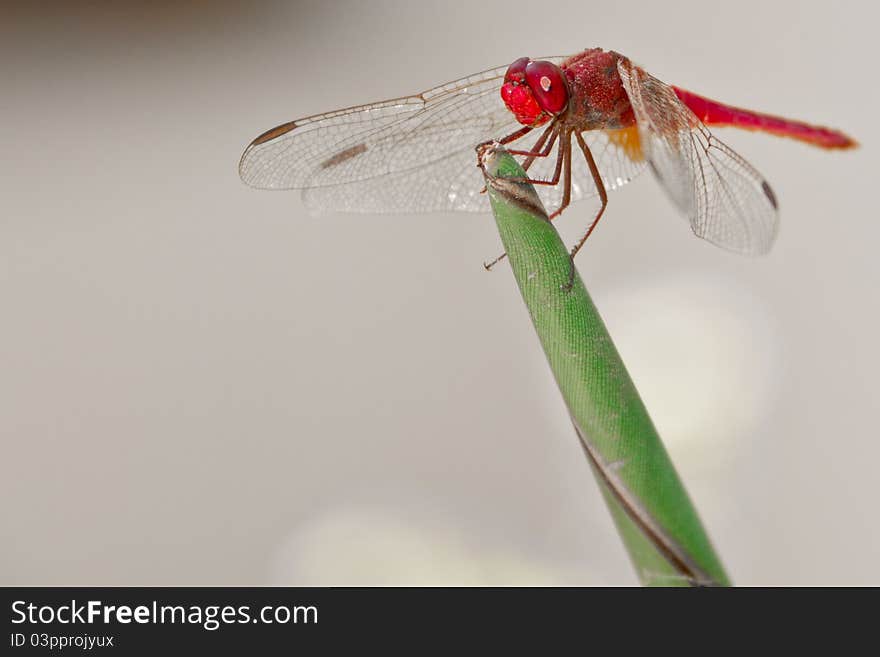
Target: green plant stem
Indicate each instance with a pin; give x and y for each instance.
(653, 513)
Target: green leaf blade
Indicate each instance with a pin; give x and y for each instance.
(653, 513)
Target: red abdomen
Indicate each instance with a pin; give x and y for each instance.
(711, 112)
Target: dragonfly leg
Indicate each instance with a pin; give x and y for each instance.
(537, 147)
(600, 187)
(603, 196)
(565, 160)
(557, 172)
(529, 160)
(513, 136)
(489, 265)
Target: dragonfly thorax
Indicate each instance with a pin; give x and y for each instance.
(598, 97)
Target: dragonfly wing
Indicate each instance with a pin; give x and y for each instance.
(407, 154)
(452, 184)
(726, 200)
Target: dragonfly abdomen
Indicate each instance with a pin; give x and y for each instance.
(711, 112)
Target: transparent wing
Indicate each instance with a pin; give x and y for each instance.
(725, 199)
(455, 183)
(387, 140)
(411, 154)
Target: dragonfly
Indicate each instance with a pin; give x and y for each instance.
(416, 153)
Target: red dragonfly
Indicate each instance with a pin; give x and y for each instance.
(415, 154)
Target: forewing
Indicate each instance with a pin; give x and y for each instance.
(407, 154)
(725, 199)
(455, 183)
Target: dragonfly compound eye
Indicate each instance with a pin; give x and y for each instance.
(517, 94)
(547, 83)
(516, 72)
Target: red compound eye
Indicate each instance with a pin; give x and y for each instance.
(516, 71)
(547, 83)
(534, 91)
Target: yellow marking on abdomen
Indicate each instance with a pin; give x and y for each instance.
(627, 139)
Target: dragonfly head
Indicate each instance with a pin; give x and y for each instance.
(534, 91)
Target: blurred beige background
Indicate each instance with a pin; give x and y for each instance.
(201, 384)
